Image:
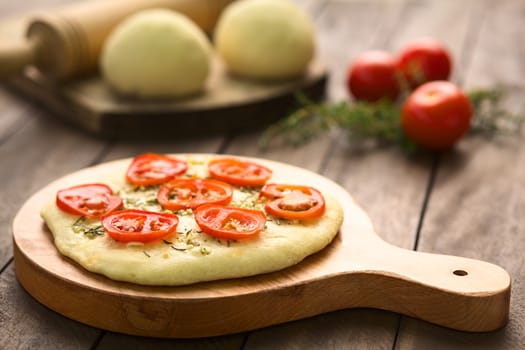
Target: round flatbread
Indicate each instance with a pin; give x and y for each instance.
(190, 255)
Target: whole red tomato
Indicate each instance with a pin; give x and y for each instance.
(372, 76)
(436, 115)
(424, 60)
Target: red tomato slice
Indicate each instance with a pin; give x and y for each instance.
(153, 169)
(190, 193)
(138, 225)
(293, 202)
(273, 191)
(229, 223)
(90, 200)
(238, 172)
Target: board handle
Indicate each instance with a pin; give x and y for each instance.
(455, 292)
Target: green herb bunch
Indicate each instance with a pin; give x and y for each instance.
(380, 120)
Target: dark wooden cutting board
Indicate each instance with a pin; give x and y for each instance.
(228, 103)
(357, 269)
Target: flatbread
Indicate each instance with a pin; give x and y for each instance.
(188, 256)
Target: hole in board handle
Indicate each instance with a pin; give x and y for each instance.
(460, 272)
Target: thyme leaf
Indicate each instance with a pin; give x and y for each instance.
(140, 197)
(81, 225)
(489, 115)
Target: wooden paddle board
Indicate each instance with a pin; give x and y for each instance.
(357, 269)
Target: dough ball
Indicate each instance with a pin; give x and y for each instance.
(265, 39)
(156, 54)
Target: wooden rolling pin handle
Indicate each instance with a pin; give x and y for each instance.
(67, 43)
(15, 57)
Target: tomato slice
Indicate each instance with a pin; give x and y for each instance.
(90, 200)
(153, 169)
(190, 193)
(134, 225)
(238, 172)
(293, 202)
(229, 223)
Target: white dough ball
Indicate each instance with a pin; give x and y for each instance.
(265, 39)
(156, 54)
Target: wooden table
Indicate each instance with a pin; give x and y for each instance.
(467, 202)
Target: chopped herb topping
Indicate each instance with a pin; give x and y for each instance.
(247, 198)
(184, 212)
(90, 230)
(140, 197)
(277, 221)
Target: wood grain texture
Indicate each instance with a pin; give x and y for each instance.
(26, 324)
(349, 28)
(114, 341)
(10, 8)
(477, 201)
(476, 210)
(448, 21)
(48, 155)
(228, 103)
(346, 329)
(13, 116)
(51, 151)
(344, 30)
(358, 268)
(489, 55)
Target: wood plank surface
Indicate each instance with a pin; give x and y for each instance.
(475, 194)
(477, 203)
(14, 8)
(47, 157)
(350, 158)
(355, 24)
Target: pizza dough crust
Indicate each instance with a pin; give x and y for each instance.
(191, 256)
(156, 54)
(265, 39)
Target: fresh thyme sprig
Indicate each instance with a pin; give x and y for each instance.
(380, 120)
(489, 115)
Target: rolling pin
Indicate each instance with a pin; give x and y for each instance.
(67, 42)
